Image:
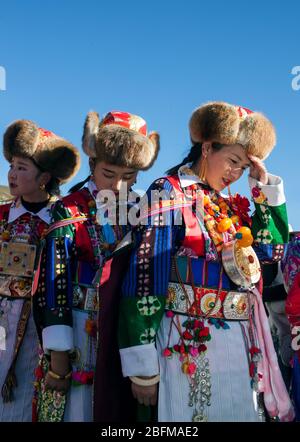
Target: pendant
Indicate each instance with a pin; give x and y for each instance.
(3, 329)
(200, 418)
(78, 296)
(2, 338)
(3, 316)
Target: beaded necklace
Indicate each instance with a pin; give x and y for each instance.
(223, 224)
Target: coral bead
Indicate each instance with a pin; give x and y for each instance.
(185, 367)
(224, 225)
(245, 241)
(235, 219)
(5, 235)
(216, 208)
(206, 200)
(245, 231)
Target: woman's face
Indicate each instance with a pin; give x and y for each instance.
(110, 177)
(25, 179)
(224, 166)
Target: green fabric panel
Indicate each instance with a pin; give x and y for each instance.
(271, 218)
(136, 328)
(60, 213)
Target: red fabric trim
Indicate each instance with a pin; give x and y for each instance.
(4, 211)
(77, 204)
(194, 237)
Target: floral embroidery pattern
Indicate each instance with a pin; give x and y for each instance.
(258, 196)
(291, 264)
(266, 214)
(278, 252)
(143, 266)
(264, 236)
(148, 336)
(148, 305)
(48, 406)
(60, 272)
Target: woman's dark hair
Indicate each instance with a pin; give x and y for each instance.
(193, 156)
(52, 187)
(79, 185)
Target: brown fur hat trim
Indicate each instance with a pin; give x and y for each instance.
(227, 124)
(119, 145)
(51, 153)
(90, 132)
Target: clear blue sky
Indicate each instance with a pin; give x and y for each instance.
(157, 59)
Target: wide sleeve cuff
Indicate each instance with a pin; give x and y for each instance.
(57, 338)
(140, 360)
(271, 194)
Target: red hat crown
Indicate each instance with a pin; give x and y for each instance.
(130, 121)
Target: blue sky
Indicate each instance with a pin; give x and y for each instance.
(157, 59)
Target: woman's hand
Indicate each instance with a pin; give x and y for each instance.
(60, 365)
(60, 385)
(258, 170)
(144, 395)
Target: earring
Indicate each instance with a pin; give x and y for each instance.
(229, 192)
(42, 186)
(203, 169)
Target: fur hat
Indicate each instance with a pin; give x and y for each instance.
(227, 124)
(50, 153)
(120, 139)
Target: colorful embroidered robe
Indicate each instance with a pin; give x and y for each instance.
(19, 352)
(142, 328)
(72, 264)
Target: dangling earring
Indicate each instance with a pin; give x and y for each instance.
(229, 192)
(203, 169)
(42, 186)
(92, 168)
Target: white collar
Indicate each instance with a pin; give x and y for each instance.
(17, 209)
(187, 179)
(92, 188)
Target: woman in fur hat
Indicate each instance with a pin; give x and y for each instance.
(39, 162)
(193, 330)
(79, 244)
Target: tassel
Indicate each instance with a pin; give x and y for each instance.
(9, 384)
(203, 169)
